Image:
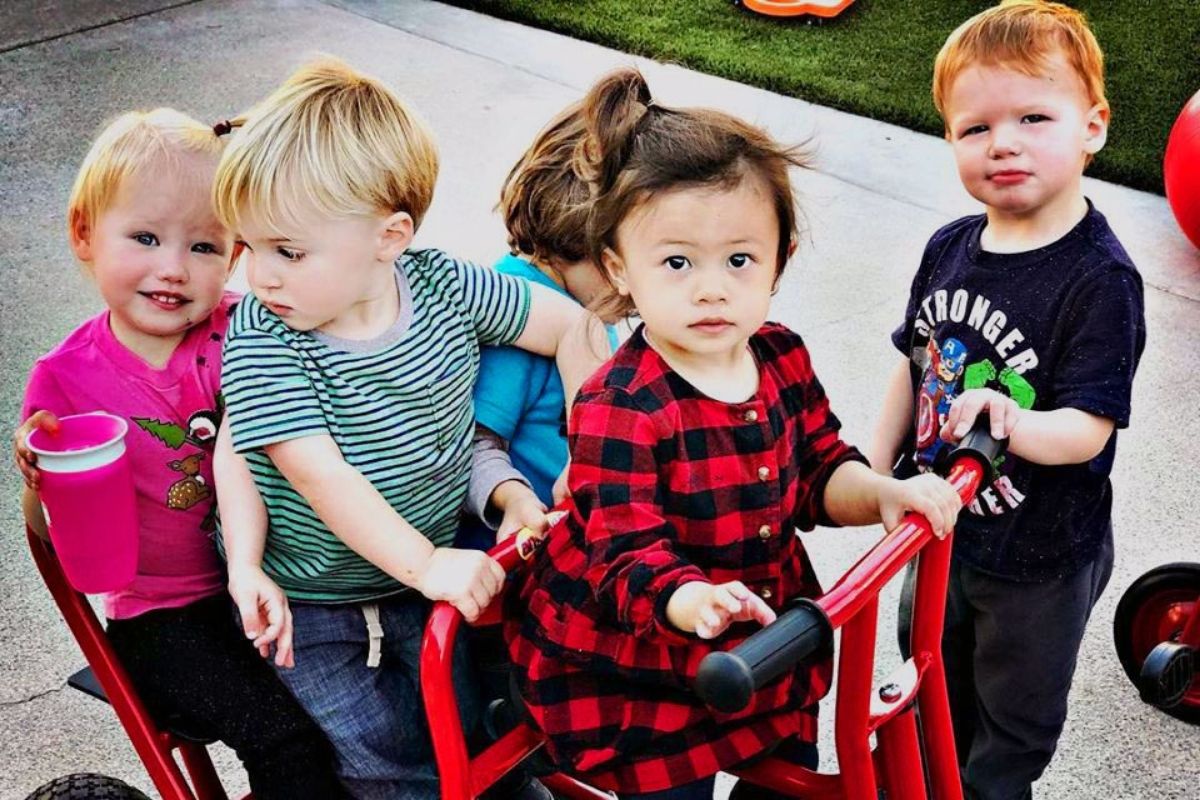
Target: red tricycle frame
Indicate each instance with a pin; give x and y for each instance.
(914, 757)
(154, 746)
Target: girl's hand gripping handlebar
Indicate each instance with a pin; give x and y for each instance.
(727, 679)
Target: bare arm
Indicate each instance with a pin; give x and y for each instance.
(856, 495)
(559, 327)
(895, 419)
(243, 515)
(359, 515)
(1060, 436)
(262, 605)
(352, 508)
(32, 507)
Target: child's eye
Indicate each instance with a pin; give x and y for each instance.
(289, 254)
(971, 131)
(205, 247)
(677, 263)
(1034, 118)
(739, 260)
(147, 239)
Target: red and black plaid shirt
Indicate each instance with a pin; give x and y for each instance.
(670, 486)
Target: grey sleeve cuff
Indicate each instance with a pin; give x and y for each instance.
(490, 467)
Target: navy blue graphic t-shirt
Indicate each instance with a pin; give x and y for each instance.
(1057, 327)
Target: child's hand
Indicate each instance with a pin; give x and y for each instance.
(263, 607)
(467, 579)
(708, 609)
(929, 495)
(27, 459)
(522, 511)
(1002, 410)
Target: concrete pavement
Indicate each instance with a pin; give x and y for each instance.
(873, 198)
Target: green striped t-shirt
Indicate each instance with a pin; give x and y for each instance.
(398, 407)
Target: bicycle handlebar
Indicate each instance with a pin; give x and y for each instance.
(728, 679)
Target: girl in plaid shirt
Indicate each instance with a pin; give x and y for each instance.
(697, 450)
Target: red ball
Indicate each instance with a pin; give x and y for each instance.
(1181, 169)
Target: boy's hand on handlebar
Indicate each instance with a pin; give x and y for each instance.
(928, 495)
(522, 510)
(708, 610)
(263, 607)
(467, 579)
(27, 459)
(1003, 413)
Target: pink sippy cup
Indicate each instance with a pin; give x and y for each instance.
(88, 498)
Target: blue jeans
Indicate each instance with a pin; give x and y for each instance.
(373, 715)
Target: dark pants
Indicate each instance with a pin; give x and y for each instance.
(1010, 650)
(794, 751)
(199, 675)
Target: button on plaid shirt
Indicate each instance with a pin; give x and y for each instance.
(670, 486)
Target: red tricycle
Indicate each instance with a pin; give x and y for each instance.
(1157, 634)
(909, 714)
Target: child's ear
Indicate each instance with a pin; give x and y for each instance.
(1096, 133)
(81, 236)
(395, 236)
(614, 267)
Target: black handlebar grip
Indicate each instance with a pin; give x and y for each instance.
(727, 679)
(980, 446)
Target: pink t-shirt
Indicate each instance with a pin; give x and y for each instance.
(173, 414)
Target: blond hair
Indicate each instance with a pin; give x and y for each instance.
(329, 138)
(1023, 35)
(126, 145)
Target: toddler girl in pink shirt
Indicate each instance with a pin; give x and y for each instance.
(141, 221)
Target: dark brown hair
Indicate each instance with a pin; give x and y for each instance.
(635, 148)
(543, 202)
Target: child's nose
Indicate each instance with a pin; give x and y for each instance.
(710, 287)
(261, 274)
(1005, 142)
(172, 266)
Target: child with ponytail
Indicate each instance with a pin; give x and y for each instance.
(697, 451)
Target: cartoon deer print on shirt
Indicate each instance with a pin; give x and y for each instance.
(190, 489)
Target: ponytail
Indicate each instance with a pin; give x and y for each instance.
(612, 112)
(634, 149)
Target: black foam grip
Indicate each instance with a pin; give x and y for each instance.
(728, 679)
(980, 446)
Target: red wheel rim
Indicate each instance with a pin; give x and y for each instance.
(1161, 618)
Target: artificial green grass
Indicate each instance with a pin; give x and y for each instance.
(877, 58)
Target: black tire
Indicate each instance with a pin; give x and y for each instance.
(86, 786)
(1139, 625)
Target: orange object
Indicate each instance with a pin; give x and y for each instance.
(795, 8)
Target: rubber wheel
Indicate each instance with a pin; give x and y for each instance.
(1154, 609)
(86, 786)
